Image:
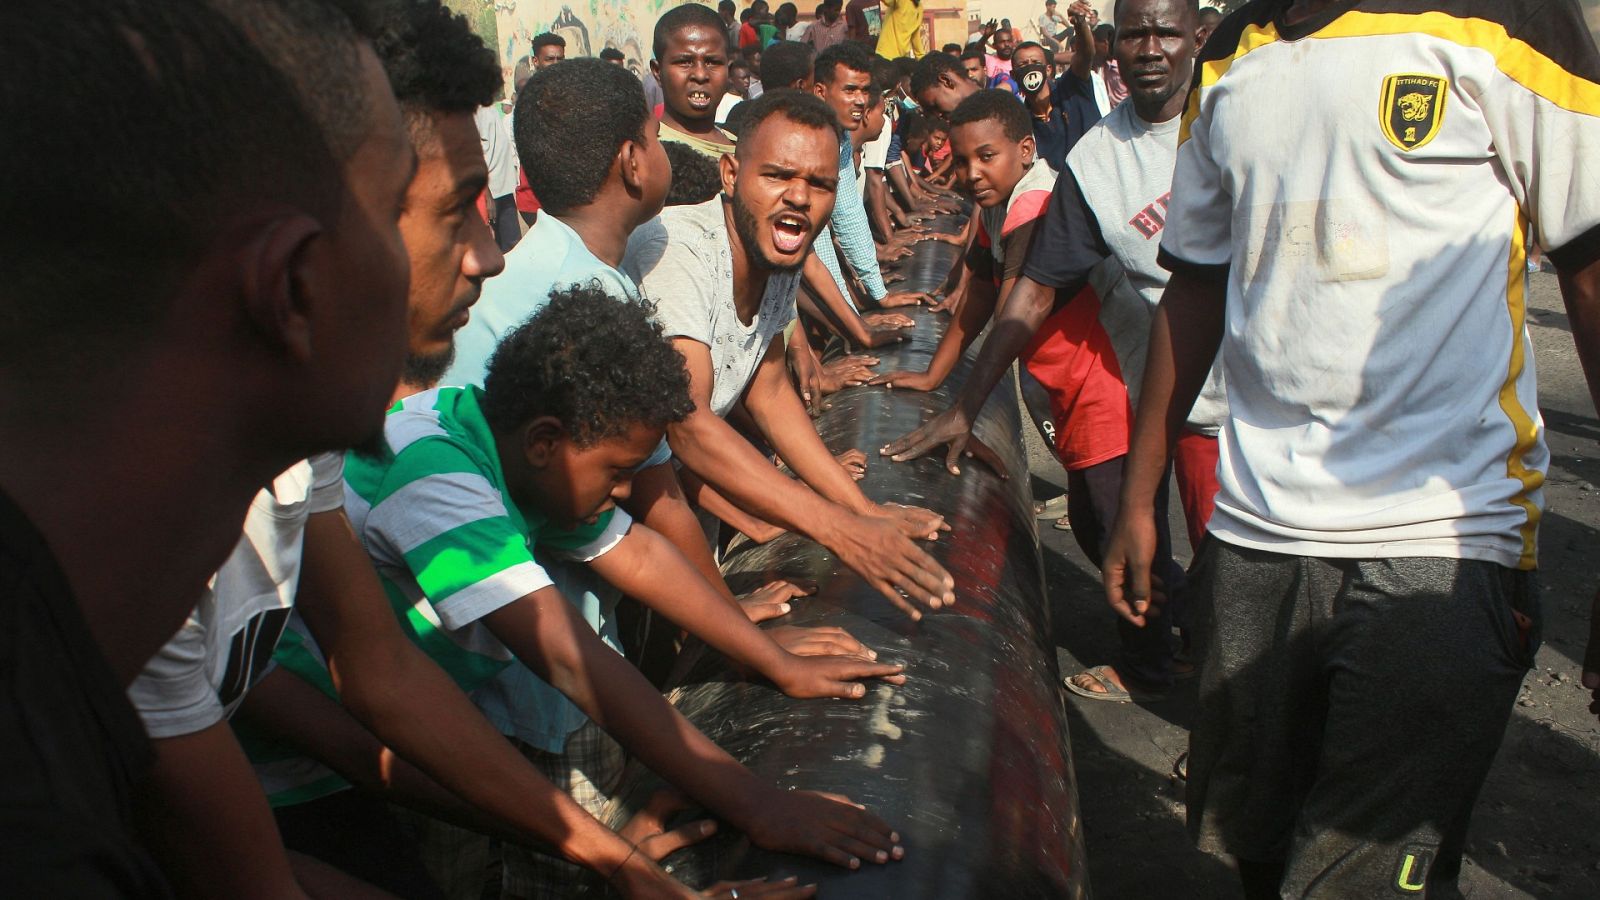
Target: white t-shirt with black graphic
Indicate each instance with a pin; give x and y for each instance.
(200, 676)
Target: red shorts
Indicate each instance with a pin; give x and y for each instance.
(1072, 358)
(1194, 462)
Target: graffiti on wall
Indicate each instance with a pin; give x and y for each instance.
(588, 26)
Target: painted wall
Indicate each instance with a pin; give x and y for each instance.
(589, 26)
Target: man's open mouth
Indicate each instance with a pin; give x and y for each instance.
(699, 99)
(789, 233)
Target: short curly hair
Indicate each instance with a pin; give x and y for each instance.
(598, 364)
(848, 54)
(1000, 106)
(930, 67)
(680, 17)
(696, 177)
(434, 62)
(571, 120)
(794, 107)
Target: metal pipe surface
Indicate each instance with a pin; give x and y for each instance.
(969, 760)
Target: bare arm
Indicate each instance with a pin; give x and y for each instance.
(1173, 375)
(411, 705)
(729, 464)
(884, 219)
(548, 635)
(658, 502)
(835, 311)
(1082, 43)
(969, 321)
(644, 566)
(202, 814)
(900, 180)
(781, 418)
(1027, 305)
(1580, 290)
(296, 712)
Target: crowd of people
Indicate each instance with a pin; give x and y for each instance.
(368, 442)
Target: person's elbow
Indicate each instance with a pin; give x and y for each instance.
(375, 687)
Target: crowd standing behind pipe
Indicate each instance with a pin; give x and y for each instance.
(451, 426)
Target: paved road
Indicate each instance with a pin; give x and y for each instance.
(1537, 828)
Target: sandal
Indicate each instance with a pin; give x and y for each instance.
(1113, 692)
(1054, 508)
(1063, 524)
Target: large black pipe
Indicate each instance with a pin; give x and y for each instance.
(969, 759)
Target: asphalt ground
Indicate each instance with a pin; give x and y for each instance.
(1536, 830)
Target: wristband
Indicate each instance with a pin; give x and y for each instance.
(632, 849)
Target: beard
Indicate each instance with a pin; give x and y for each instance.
(745, 225)
(423, 370)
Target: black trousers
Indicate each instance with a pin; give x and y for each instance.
(506, 230)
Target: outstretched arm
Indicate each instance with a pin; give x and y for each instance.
(870, 544)
(1027, 306)
(644, 566)
(1082, 41)
(546, 632)
(969, 321)
(1580, 289)
(411, 705)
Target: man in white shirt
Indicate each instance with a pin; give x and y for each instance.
(501, 158)
(724, 274)
(1356, 188)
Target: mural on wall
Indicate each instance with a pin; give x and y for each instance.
(588, 26)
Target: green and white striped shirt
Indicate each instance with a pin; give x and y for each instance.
(450, 546)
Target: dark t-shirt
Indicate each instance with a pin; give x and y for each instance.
(860, 26)
(1069, 243)
(1072, 113)
(71, 746)
(1014, 248)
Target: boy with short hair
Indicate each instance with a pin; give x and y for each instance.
(738, 89)
(937, 162)
(1071, 355)
(994, 148)
(475, 489)
(690, 55)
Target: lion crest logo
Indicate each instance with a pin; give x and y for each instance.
(1412, 109)
(1414, 106)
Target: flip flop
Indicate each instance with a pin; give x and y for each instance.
(1054, 508)
(1063, 524)
(1112, 693)
(1180, 767)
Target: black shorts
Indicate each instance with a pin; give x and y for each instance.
(1349, 712)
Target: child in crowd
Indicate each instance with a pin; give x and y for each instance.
(690, 56)
(475, 488)
(994, 150)
(695, 178)
(1070, 354)
(936, 160)
(738, 89)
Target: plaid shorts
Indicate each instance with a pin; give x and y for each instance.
(472, 866)
(588, 772)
